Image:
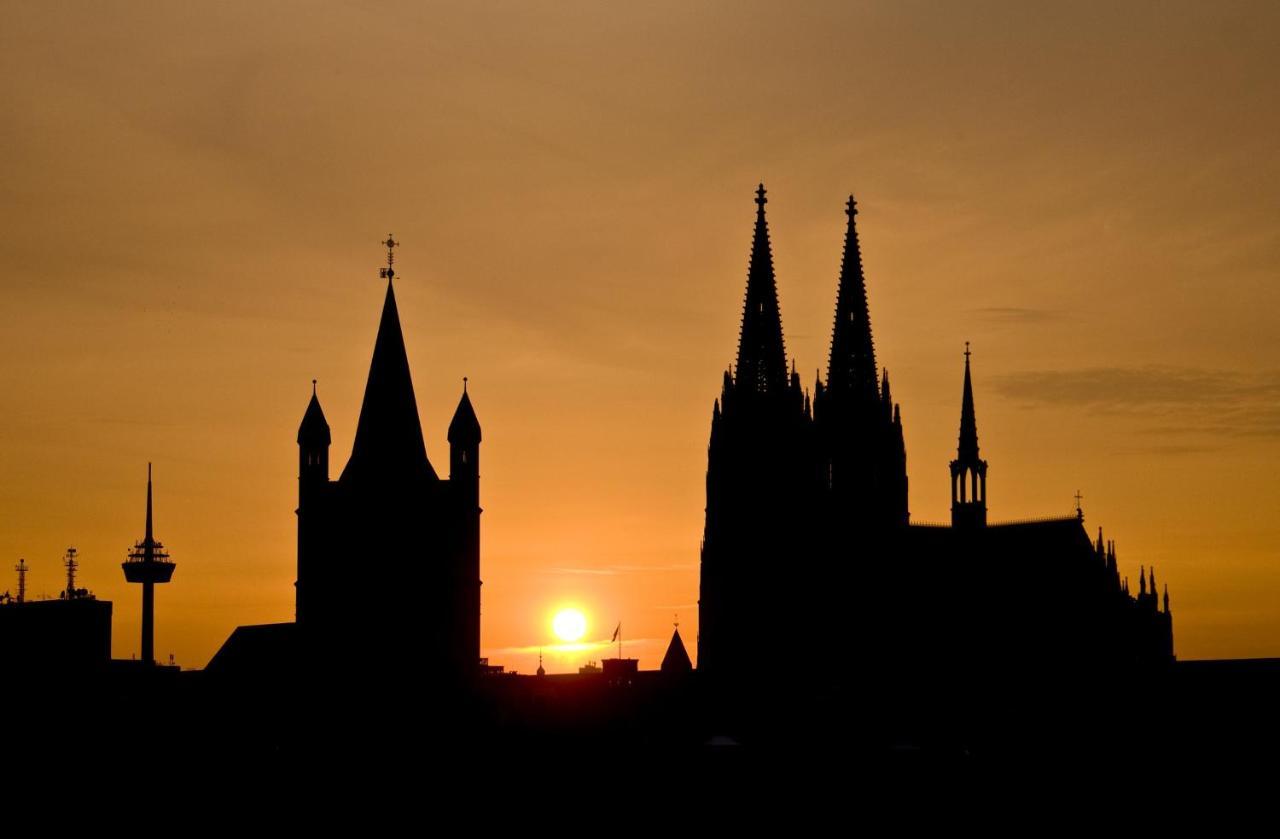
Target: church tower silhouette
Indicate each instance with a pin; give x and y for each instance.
(390, 510)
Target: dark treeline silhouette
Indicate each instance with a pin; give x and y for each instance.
(921, 644)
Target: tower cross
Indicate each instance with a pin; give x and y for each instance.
(390, 271)
(966, 351)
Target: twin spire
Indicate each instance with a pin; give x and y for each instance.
(762, 366)
(762, 358)
(852, 366)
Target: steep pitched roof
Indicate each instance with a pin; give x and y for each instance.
(388, 443)
(677, 658)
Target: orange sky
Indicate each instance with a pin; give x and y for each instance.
(193, 200)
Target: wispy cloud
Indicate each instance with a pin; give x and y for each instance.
(616, 570)
(1017, 314)
(577, 647)
(1167, 400)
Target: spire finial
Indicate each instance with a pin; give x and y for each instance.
(464, 384)
(313, 387)
(1080, 511)
(966, 352)
(389, 272)
(760, 199)
(851, 207)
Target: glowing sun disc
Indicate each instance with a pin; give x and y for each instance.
(569, 625)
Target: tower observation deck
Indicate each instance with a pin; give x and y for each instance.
(148, 563)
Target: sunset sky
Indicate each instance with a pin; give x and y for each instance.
(193, 200)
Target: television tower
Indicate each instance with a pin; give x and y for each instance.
(148, 563)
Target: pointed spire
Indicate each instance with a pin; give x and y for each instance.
(677, 658)
(1166, 598)
(314, 429)
(968, 449)
(762, 359)
(1142, 580)
(464, 428)
(1151, 579)
(852, 364)
(388, 442)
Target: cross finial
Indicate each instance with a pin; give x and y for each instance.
(966, 352)
(851, 207)
(760, 199)
(390, 271)
(1080, 498)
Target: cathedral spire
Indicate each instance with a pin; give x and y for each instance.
(968, 449)
(968, 470)
(388, 442)
(762, 363)
(852, 366)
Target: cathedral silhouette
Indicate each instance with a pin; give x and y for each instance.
(807, 517)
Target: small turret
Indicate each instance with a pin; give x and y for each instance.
(313, 442)
(464, 440)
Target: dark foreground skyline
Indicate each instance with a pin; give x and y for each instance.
(194, 199)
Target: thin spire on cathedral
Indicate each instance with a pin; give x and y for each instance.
(968, 449)
(762, 358)
(852, 363)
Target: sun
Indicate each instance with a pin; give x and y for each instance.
(569, 625)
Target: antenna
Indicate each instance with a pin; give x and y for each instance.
(72, 565)
(21, 568)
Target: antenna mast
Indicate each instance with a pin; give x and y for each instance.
(21, 568)
(72, 565)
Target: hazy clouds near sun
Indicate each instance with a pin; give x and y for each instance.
(193, 199)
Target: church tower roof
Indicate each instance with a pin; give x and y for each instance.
(968, 449)
(762, 361)
(465, 426)
(852, 366)
(677, 658)
(388, 442)
(314, 429)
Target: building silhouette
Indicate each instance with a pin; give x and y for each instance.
(387, 509)
(807, 516)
